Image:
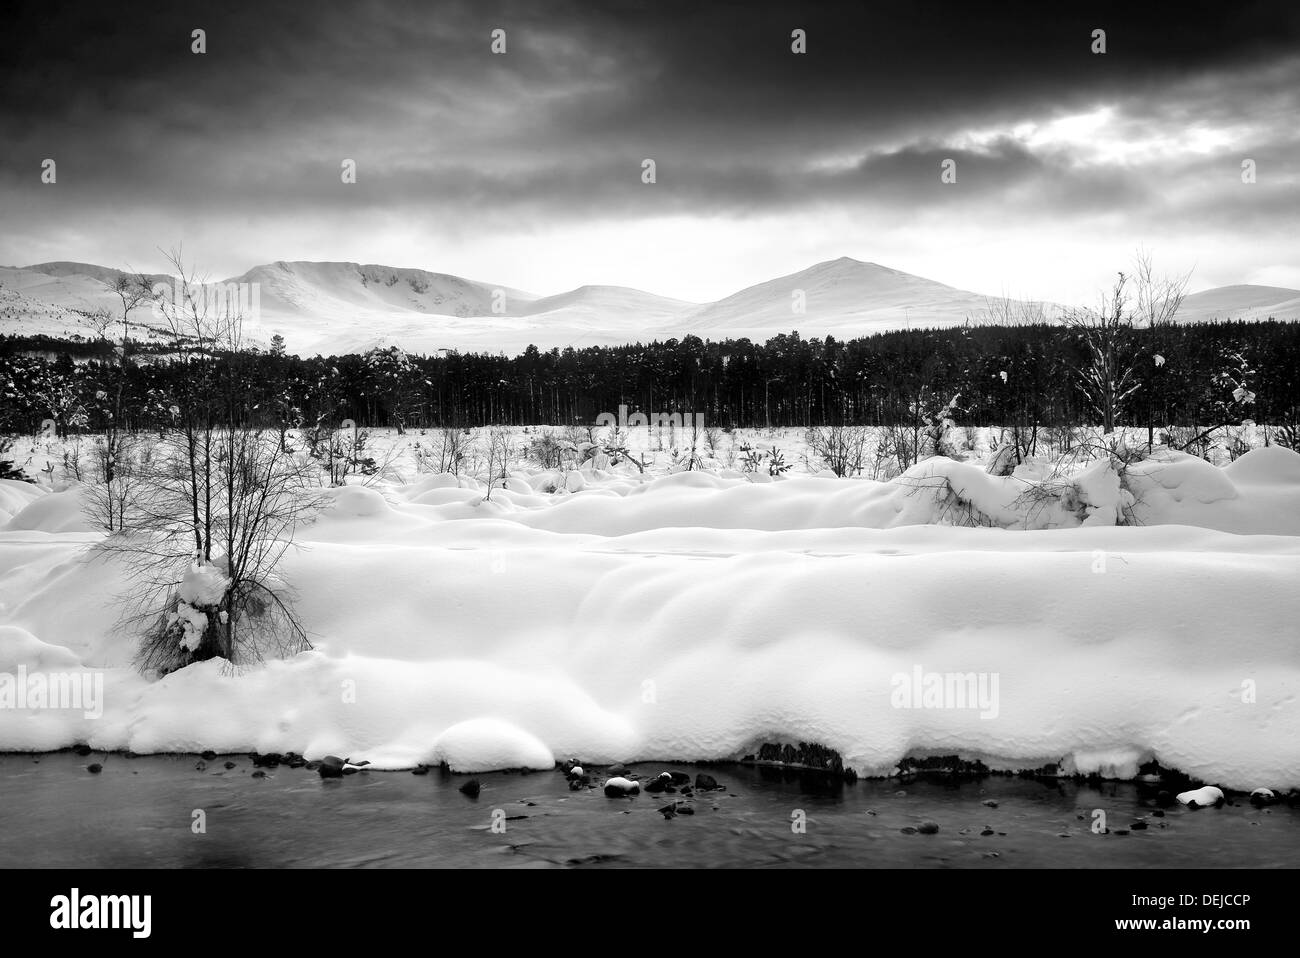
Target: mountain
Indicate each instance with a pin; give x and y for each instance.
(350, 307)
(1241, 302)
(327, 289)
(53, 298)
(844, 297)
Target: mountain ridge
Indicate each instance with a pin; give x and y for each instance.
(329, 306)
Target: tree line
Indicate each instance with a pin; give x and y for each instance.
(1172, 374)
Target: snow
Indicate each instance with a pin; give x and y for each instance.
(1241, 302)
(56, 512)
(621, 786)
(16, 496)
(1204, 797)
(204, 584)
(334, 308)
(485, 744)
(695, 616)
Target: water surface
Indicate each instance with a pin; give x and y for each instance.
(139, 812)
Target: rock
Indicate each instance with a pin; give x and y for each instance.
(207, 756)
(471, 788)
(350, 770)
(679, 778)
(95, 768)
(1138, 826)
(1206, 796)
(617, 769)
(706, 783)
(989, 803)
(669, 810)
(331, 766)
(200, 766)
(420, 770)
(229, 766)
(360, 763)
(685, 810)
(987, 832)
(928, 828)
(908, 830)
(1164, 799)
(576, 772)
(618, 787)
(269, 760)
(82, 750)
(664, 783)
(1158, 813)
(260, 773)
(1262, 796)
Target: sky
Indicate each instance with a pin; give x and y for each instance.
(525, 168)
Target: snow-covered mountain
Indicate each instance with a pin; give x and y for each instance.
(844, 297)
(349, 307)
(1241, 302)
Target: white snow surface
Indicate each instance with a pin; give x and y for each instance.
(695, 616)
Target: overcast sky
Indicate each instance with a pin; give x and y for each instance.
(524, 169)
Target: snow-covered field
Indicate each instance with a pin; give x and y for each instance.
(614, 615)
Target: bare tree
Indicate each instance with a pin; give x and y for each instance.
(841, 448)
(216, 508)
(113, 483)
(500, 451)
(1157, 298)
(1108, 377)
(1006, 311)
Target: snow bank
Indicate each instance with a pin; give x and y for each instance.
(696, 616)
(15, 496)
(52, 512)
(1259, 493)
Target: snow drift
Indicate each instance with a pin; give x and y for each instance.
(696, 616)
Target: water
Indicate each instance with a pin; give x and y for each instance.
(139, 812)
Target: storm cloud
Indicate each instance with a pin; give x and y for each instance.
(525, 168)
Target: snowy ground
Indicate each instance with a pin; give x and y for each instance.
(616, 616)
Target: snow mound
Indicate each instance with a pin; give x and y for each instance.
(1269, 465)
(20, 647)
(485, 744)
(53, 512)
(16, 496)
(358, 501)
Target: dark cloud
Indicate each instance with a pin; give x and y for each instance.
(557, 128)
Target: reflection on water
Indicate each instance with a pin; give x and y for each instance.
(140, 812)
